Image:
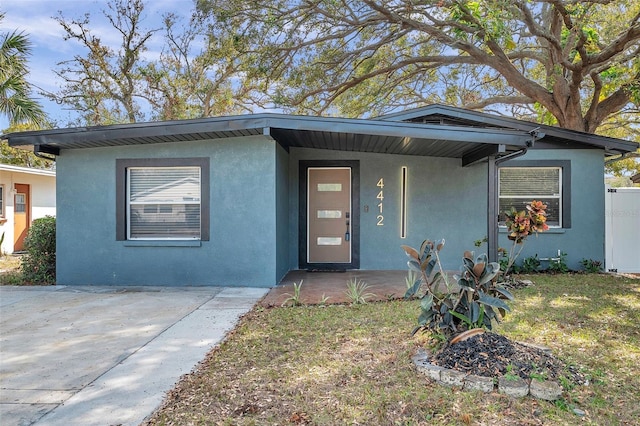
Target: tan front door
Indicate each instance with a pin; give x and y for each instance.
(21, 215)
(329, 215)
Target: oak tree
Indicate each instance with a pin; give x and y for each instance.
(574, 63)
(104, 85)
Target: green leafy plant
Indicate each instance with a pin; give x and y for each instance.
(530, 265)
(591, 266)
(566, 383)
(510, 375)
(1, 241)
(559, 265)
(357, 292)
(541, 377)
(521, 224)
(426, 264)
(472, 322)
(411, 280)
(476, 300)
(478, 243)
(294, 299)
(39, 263)
(481, 300)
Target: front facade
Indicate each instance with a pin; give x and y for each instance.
(26, 194)
(240, 201)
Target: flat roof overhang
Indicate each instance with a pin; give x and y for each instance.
(343, 134)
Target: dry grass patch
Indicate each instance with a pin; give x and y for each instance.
(352, 364)
(10, 273)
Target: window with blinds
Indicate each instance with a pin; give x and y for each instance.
(164, 203)
(519, 185)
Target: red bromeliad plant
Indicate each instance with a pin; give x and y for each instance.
(521, 224)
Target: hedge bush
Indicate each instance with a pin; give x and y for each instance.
(39, 263)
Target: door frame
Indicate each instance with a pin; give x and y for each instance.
(18, 238)
(303, 168)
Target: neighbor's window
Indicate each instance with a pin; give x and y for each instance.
(162, 199)
(520, 185)
(1, 200)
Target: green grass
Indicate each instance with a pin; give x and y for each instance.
(351, 364)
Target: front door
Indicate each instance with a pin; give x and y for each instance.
(21, 215)
(330, 228)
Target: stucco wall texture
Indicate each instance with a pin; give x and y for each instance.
(255, 213)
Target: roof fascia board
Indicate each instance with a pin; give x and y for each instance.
(59, 137)
(494, 120)
(401, 129)
(27, 170)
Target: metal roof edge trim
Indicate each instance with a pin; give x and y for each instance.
(29, 170)
(605, 142)
(57, 137)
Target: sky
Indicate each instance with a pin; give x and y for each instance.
(36, 19)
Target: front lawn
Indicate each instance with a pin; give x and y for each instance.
(352, 364)
(10, 273)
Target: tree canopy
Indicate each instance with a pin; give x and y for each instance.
(571, 63)
(104, 86)
(193, 76)
(21, 157)
(16, 102)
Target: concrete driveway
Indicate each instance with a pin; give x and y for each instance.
(105, 355)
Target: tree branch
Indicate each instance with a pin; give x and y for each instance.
(505, 100)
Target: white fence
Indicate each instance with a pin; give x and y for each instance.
(622, 227)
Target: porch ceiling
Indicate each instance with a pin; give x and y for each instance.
(469, 144)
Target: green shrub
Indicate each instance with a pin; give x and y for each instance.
(475, 301)
(559, 266)
(591, 266)
(530, 265)
(39, 263)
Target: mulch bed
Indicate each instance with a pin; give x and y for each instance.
(493, 355)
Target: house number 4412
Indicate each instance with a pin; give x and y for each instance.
(380, 197)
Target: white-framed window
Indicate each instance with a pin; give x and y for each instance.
(162, 199)
(163, 203)
(520, 185)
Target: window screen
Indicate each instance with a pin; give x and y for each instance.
(164, 202)
(520, 185)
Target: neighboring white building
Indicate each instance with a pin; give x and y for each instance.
(25, 194)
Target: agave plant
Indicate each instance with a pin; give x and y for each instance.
(357, 292)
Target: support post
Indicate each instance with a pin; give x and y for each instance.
(492, 209)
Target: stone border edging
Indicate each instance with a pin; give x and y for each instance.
(546, 390)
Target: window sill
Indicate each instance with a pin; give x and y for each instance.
(503, 230)
(163, 243)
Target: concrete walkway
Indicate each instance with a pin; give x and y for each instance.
(105, 355)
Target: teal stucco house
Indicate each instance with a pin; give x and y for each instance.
(242, 200)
